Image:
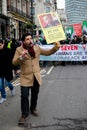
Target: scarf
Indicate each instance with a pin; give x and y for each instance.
(30, 49)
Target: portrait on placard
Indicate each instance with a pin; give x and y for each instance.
(48, 20)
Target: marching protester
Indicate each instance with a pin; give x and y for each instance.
(27, 56)
(12, 44)
(76, 40)
(37, 41)
(6, 74)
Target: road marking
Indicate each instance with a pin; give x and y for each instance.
(43, 71)
(16, 82)
(43, 75)
(6, 89)
(50, 70)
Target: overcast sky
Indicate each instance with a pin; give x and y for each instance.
(61, 4)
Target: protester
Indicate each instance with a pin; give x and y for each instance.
(6, 74)
(76, 40)
(27, 56)
(37, 41)
(12, 45)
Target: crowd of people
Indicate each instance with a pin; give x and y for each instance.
(24, 55)
(75, 40)
(7, 51)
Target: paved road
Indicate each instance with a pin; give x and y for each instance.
(62, 103)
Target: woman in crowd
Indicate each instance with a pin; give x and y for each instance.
(6, 74)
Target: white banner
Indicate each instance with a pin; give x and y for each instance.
(73, 52)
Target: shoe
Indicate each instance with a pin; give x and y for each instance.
(22, 120)
(34, 112)
(2, 100)
(13, 91)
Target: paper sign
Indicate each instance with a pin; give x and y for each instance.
(51, 27)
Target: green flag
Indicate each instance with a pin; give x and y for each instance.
(69, 31)
(84, 27)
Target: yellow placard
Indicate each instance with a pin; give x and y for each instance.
(51, 27)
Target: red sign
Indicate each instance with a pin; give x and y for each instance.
(77, 29)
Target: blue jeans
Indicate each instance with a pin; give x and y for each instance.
(4, 82)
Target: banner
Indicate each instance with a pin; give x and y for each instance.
(52, 27)
(74, 52)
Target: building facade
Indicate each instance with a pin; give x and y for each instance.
(42, 6)
(14, 14)
(19, 13)
(63, 18)
(4, 19)
(76, 11)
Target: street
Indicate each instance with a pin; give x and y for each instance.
(62, 101)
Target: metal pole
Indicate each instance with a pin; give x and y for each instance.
(55, 4)
(32, 16)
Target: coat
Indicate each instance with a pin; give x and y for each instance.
(6, 64)
(29, 67)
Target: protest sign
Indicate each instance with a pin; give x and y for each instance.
(51, 27)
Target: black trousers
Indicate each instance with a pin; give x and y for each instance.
(25, 98)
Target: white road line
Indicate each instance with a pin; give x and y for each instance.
(43, 75)
(43, 71)
(17, 84)
(6, 89)
(50, 69)
(17, 80)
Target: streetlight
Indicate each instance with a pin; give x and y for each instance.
(55, 4)
(32, 10)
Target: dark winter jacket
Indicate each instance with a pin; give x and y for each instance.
(6, 64)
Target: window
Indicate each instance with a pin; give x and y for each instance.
(32, 10)
(47, 9)
(32, 0)
(47, 0)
